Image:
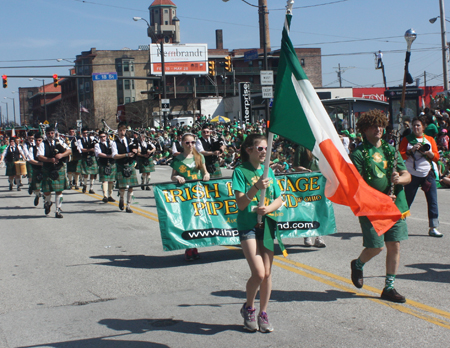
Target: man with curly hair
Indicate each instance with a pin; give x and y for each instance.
(374, 160)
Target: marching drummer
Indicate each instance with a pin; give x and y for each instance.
(36, 178)
(13, 153)
(54, 179)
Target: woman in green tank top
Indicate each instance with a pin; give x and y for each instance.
(189, 165)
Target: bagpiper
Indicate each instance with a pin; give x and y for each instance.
(36, 168)
(89, 165)
(54, 179)
(106, 166)
(124, 151)
(145, 161)
(73, 166)
(12, 154)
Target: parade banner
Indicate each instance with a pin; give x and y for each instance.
(201, 214)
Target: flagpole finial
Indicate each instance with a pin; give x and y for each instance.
(290, 4)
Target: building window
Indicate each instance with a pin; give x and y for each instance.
(133, 99)
(166, 11)
(302, 62)
(120, 84)
(120, 100)
(132, 84)
(166, 22)
(250, 63)
(131, 66)
(166, 39)
(260, 64)
(127, 84)
(251, 79)
(127, 100)
(87, 87)
(126, 66)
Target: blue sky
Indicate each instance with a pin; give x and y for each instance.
(37, 32)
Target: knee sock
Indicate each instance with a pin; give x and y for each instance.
(142, 179)
(105, 188)
(121, 194)
(70, 177)
(110, 188)
(389, 283)
(58, 201)
(47, 199)
(129, 194)
(359, 264)
(77, 177)
(37, 193)
(91, 183)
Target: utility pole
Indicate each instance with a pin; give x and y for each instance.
(340, 71)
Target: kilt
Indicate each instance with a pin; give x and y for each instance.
(121, 181)
(10, 169)
(72, 167)
(35, 185)
(86, 170)
(29, 170)
(104, 177)
(58, 185)
(146, 169)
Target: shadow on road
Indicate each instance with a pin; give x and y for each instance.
(292, 296)
(434, 272)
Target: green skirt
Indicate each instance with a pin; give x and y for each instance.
(72, 166)
(89, 170)
(35, 184)
(58, 185)
(10, 169)
(146, 168)
(121, 181)
(104, 177)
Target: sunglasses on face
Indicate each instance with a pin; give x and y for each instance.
(260, 148)
(189, 142)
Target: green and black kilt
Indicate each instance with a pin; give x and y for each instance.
(29, 170)
(74, 166)
(10, 169)
(146, 168)
(89, 170)
(58, 185)
(35, 185)
(104, 177)
(121, 181)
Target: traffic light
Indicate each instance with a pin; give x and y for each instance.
(228, 66)
(5, 81)
(55, 80)
(212, 67)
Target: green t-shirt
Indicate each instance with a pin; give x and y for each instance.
(2, 148)
(301, 159)
(246, 218)
(378, 164)
(186, 167)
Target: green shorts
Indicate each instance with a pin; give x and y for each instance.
(371, 239)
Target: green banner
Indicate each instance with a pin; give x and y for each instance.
(201, 214)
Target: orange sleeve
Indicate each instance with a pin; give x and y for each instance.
(433, 148)
(402, 148)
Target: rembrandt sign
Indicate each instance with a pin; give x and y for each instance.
(201, 214)
(180, 59)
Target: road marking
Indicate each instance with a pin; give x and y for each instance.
(319, 275)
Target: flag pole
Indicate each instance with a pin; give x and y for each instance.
(266, 171)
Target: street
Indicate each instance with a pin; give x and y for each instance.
(99, 278)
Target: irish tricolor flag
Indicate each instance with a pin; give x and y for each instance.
(298, 115)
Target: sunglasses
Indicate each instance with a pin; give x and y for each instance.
(102, 136)
(189, 142)
(260, 148)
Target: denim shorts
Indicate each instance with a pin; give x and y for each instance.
(254, 233)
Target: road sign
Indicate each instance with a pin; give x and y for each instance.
(46, 122)
(267, 92)
(250, 55)
(79, 123)
(104, 76)
(165, 105)
(266, 77)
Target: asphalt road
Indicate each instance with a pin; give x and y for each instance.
(99, 278)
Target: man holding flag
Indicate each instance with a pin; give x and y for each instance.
(374, 160)
(299, 115)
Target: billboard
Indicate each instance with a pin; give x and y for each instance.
(246, 102)
(189, 59)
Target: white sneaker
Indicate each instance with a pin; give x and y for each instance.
(319, 243)
(435, 233)
(308, 241)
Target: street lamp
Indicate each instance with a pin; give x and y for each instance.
(14, 108)
(43, 89)
(262, 10)
(7, 112)
(151, 34)
(443, 42)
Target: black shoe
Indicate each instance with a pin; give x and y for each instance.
(10, 187)
(36, 201)
(18, 188)
(148, 188)
(84, 189)
(58, 215)
(76, 187)
(91, 191)
(105, 199)
(129, 210)
(30, 191)
(393, 296)
(110, 199)
(47, 207)
(357, 275)
(121, 204)
(143, 187)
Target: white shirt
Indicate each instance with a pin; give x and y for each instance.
(114, 146)
(41, 148)
(97, 148)
(422, 165)
(199, 145)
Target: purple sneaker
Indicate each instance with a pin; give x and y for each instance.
(248, 313)
(263, 322)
